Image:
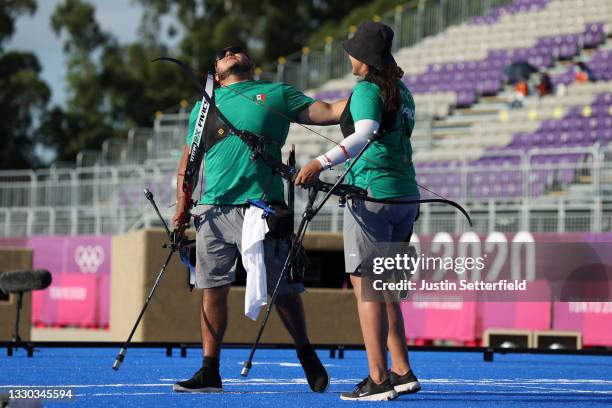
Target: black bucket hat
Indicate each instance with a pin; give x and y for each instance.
(371, 44)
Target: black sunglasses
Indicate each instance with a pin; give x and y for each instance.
(233, 49)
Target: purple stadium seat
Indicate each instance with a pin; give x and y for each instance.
(518, 6)
(594, 35)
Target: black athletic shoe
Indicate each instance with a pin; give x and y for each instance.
(404, 384)
(200, 382)
(368, 390)
(316, 375)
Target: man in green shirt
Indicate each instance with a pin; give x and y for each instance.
(232, 178)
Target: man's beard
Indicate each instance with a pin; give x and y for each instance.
(239, 69)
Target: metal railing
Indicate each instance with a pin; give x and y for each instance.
(552, 215)
(411, 22)
(554, 196)
(308, 68)
(590, 172)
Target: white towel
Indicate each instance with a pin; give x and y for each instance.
(254, 229)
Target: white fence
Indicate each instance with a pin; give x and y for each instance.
(550, 215)
(570, 196)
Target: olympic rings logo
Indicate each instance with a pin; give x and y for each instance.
(89, 258)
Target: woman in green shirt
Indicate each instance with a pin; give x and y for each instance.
(380, 103)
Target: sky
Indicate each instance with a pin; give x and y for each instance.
(34, 33)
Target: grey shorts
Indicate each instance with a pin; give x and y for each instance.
(368, 225)
(218, 243)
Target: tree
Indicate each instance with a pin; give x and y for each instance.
(9, 12)
(23, 94)
(271, 29)
(112, 87)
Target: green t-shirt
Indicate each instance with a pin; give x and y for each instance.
(231, 177)
(388, 171)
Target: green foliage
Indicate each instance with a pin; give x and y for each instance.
(77, 19)
(270, 28)
(23, 96)
(113, 87)
(68, 132)
(340, 29)
(9, 11)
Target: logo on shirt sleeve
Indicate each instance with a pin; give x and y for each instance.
(409, 113)
(260, 97)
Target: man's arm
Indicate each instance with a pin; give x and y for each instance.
(180, 176)
(322, 113)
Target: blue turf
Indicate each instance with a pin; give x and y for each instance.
(276, 380)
